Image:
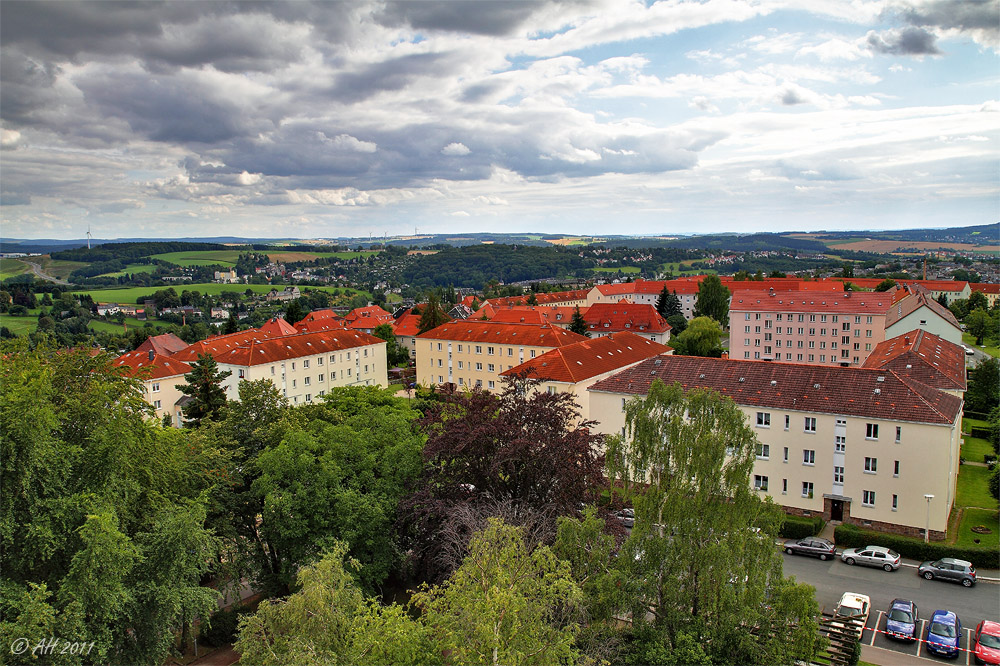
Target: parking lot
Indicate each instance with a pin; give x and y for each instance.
(874, 635)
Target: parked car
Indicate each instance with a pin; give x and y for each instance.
(815, 546)
(986, 643)
(943, 633)
(901, 620)
(854, 606)
(948, 568)
(872, 556)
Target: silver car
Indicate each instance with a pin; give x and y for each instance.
(872, 556)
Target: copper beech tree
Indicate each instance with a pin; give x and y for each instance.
(524, 455)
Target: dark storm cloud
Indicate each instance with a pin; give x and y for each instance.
(964, 15)
(791, 98)
(481, 17)
(393, 74)
(908, 41)
(27, 87)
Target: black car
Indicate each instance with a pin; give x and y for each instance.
(815, 546)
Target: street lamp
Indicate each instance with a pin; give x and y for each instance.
(927, 532)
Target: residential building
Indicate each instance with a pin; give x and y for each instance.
(219, 313)
(160, 375)
(991, 291)
(918, 310)
(473, 353)
(557, 315)
(568, 298)
(925, 357)
(367, 319)
(321, 320)
(166, 344)
(286, 294)
(405, 329)
(227, 277)
(306, 366)
(862, 446)
(642, 319)
(575, 367)
(835, 328)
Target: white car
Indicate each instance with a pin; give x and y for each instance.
(854, 606)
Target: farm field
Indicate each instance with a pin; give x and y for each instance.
(895, 246)
(623, 269)
(132, 294)
(19, 325)
(200, 257)
(115, 327)
(288, 257)
(11, 267)
(131, 269)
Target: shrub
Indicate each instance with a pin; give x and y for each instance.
(798, 527)
(221, 629)
(850, 536)
(994, 482)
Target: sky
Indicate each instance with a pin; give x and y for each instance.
(349, 119)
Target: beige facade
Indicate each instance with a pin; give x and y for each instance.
(925, 319)
(809, 462)
(162, 394)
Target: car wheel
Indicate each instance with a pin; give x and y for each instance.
(887, 567)
(789, 551)
(850, 560)
(928, 575)
(823, 556)
(967, 582)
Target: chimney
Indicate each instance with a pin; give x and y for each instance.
(151, 354)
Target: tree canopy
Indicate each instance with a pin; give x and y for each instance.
(701, 337)
(203, 385)
(713, 300)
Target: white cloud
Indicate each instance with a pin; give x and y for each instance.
(455, 149)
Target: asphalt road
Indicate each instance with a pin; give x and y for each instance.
(832, 578)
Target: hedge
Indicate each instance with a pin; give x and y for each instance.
(799, 527)
(981, 433)
(850, 536)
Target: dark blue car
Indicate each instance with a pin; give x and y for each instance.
(901, 620)
(943, 633)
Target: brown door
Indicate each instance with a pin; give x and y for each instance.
(836, 510)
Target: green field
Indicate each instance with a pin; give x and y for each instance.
(973, 488)
(19, 325)
(975, 448)
(132, 294)
(973, 517)
(289, 257)
(131, 269)
(58, 267)
(200, 257)
(11, 267)
(114, 327)
(623, 269)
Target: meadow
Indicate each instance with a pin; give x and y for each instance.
(133, 294)
(131, 269)
(11, 267)
(200, 257)
(615, 269)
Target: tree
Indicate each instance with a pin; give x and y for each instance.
(847, 270)
(578, 324)
(394, 354)
(979, 323)
(431, 314)
(204, 387)
(978, 300)
(506, 604)
(523, 449)
(885, 285)
(983, 393)
(678, 323)
(230, 326)
(701, 555)
(702, 337)
(532, 299)
(712, 300)
(667, 303)
(294, 312)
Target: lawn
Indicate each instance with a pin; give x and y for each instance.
(973, 488)
(200, 257)
(975, 448)
(969, 340)
(611, 269)
(114, 327)
(11, 267)
(132, 294)
(131, 269)
(974, 517)
(19, 325)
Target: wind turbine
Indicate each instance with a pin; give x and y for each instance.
(88, 236)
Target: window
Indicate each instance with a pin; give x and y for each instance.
(293, 383)
(333, 359)
(785, 456)
(808, 457)
(489, 351)
(333, 376)
(479, 349)
(746, 329)
(899, 434)
(460, 366)
(293, 364)
(491, 367)
(747, 316)
(871, 465)
(439, 363)
(319, 378)
(242, 373)
(810, 424)
(764, 451)
(305, 363)
(510, 351)
(759, 482)
(532, 353)
(479, 383)
(807, 489)
(764, 419)
(307, 381)
(784, 486)
(551, 390)
(461, 381)
(871, 431)
(840, 444)
(895, 468)
(348, 372)
(272, 369)
(838, 474)
(156, 387)
(492, 384)
(895, 502)
(479, 366)
(366, 352)
(439, 348)
(868, 497)
(157, 404)
(319, 361)
(309, 397)
(349, 357)
(788, 420)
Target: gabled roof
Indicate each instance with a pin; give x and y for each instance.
(820, 303)
(407, 325)
(860, 392)
(545, 314)
(553, 297)
(218, 343)
(625, 316)
(985, 288)
(326, 324)
(529, 335)
(294, 346)
(519, 316)
(159, 367)
(923, 356)
(916, 299)
(370, 312)
(588, 358)
(166, 344)
(325, 313)
(276, 326)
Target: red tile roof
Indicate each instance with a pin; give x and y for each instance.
(547, 314)
(407, 325)
(372, 312)
(160, 366)
(552, 297)
(528, 335)
(859, 392)
(328, 324)
(166, 344)
(922, 356)
(218, 343)
(916, 299)
(589, 358)
(276, 326)
(834, 303)
(985, 288)
(325, 313)
(519, 316)
(620, 316)
(293, 346)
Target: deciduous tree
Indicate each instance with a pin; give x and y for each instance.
(701, 338)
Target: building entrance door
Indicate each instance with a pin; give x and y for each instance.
(836, 510)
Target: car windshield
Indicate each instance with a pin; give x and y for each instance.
(900, 615)
(990, 641)
(846, 611)
(941, 629)
(893, 554)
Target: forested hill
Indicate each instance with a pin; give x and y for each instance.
(474, 265)
(129, 251)
(749, 243)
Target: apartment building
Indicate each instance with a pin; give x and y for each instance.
(918, 310)
(839, 328)
(473, 353)
(864, 446)
(577, 366)
(642, 319)
(160, 374)
(925, 357)
(405, 329)
(991, 291)
(565, 298)
(306, 366)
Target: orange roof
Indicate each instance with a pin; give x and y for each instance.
(546, 314)
(148, 361)
(625, 316)
(325, 324)
(370, 311)
(985, 288)
(530, 335)
(258, 352)
(218, 343)
(276, 326)
(519, 315)
(552, 297)
(929, 359)
(325, 313)
(408, 325)
(487, 310)
(589, 358)
(833, 303)
(166, 344)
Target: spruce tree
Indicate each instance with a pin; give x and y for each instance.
(578, 324)
(204, 387)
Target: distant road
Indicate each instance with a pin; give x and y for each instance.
(37, 270)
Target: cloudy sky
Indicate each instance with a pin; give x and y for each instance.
(332, 119)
